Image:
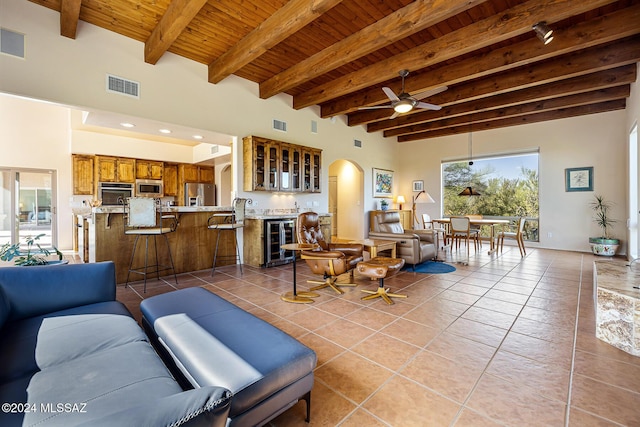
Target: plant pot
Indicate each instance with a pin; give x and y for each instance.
(604, 247)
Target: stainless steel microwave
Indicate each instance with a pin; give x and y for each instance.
(149, 188)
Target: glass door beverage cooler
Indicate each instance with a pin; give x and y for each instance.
(278, 232)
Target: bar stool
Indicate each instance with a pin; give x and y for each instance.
(230, 222)
(143, 217)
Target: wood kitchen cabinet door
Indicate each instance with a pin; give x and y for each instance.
(149, 169)
(82, 175)
(170, 179)
(115, 169)
(206, 174)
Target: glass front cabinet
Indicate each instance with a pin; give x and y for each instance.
(271, 165)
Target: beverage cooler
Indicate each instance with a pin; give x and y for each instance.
(278, 232)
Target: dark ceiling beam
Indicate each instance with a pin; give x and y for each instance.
(286, 21)
(402, 23)
(585, 98)
(69, 17)
(178, 15)
(579, 63)
(513, 22)
(577, 85)
(563, 113)
(597, 31)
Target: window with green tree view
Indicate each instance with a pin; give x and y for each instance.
(508, 187)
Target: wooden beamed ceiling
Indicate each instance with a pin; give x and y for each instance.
(339, 54)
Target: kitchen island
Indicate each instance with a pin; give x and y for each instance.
(192, 244)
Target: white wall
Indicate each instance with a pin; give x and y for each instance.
(633, 119)
(594, 140)
(351, 223)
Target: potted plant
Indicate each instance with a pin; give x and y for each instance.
(9, 252)
(384, 204)
(603, 245)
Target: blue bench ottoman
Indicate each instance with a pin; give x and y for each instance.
(207, 340)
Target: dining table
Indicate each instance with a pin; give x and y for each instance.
(492, 223)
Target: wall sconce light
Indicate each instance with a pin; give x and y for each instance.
(400, 200)
(543, 32)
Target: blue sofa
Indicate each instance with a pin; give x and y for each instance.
(72, 355)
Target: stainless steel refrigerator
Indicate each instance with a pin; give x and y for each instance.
(199, 194)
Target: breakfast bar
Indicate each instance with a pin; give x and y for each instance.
(192, 244)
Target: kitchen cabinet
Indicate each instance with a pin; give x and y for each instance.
(170, 179)
(206, 174)
(82, 175)
(271, 165)
(114, 169)
(406, 218)
(149, 169)
(194, 173)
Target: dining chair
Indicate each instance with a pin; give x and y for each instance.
(517, 234)
(476, 227)
(461, 229)
(428, 224)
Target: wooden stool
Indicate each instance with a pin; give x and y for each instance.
(381, 268)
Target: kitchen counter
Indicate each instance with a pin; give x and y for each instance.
(178, 209)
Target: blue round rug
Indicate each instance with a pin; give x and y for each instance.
(430, 267)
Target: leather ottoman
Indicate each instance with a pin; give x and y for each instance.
(380, 268)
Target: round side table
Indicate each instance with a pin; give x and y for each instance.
(295, 296)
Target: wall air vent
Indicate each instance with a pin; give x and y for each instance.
(357, 143)
(314, 126)
(11, 43)
(215, 149)
(123, 86)
(279, 125)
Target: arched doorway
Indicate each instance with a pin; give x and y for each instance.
(224, 188)
(346, 199)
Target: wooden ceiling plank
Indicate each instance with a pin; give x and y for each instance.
(69, 17)
(513, 22)
(400, 24)
(563, 113)
(178, 15)
(595, 81)
(563, 67)
(286, 21)
(601, 30)
(520, 109)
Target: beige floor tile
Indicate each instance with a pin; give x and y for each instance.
(371, 318)
(514, 405)
(404, 403)
(499, 306)
(609, 371)
(344, 332)
(462, 350)
(579, 418)
(353, 376)
(477, 331)
(325, 349)
(411, 332)
(542, 351)
(469, 418)
(361, 418)
(490, 317)
(606, 401)
(451, 379)
(547, 380)
(385, 350)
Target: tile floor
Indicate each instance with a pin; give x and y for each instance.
(503, 341)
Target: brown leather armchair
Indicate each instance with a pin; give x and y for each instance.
(331, 259)
(414, 246)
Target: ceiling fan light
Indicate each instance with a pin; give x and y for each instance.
(543, 32)
(403, 106)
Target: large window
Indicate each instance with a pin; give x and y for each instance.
(508, 187)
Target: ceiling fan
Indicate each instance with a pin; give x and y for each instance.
(403, 102)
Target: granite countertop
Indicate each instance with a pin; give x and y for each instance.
(178, 209)
(614, 275)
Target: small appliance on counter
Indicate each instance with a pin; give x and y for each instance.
(199, 194)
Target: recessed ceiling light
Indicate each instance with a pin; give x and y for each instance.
(127, 125)
(198, 137)
(165, 131)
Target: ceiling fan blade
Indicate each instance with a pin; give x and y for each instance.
(375, 107)
(390, 94)
(428, 106)
(430, 92)
(394, 115)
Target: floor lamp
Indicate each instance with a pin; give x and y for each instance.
(421, 197)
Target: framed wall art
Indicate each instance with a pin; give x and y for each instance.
(579, 179)
(418, 186)
(382, 183)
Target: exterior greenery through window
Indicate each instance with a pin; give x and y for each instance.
(508, 186)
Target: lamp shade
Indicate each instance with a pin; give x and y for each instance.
(423, 197)
(400, 200)
(468, 191)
